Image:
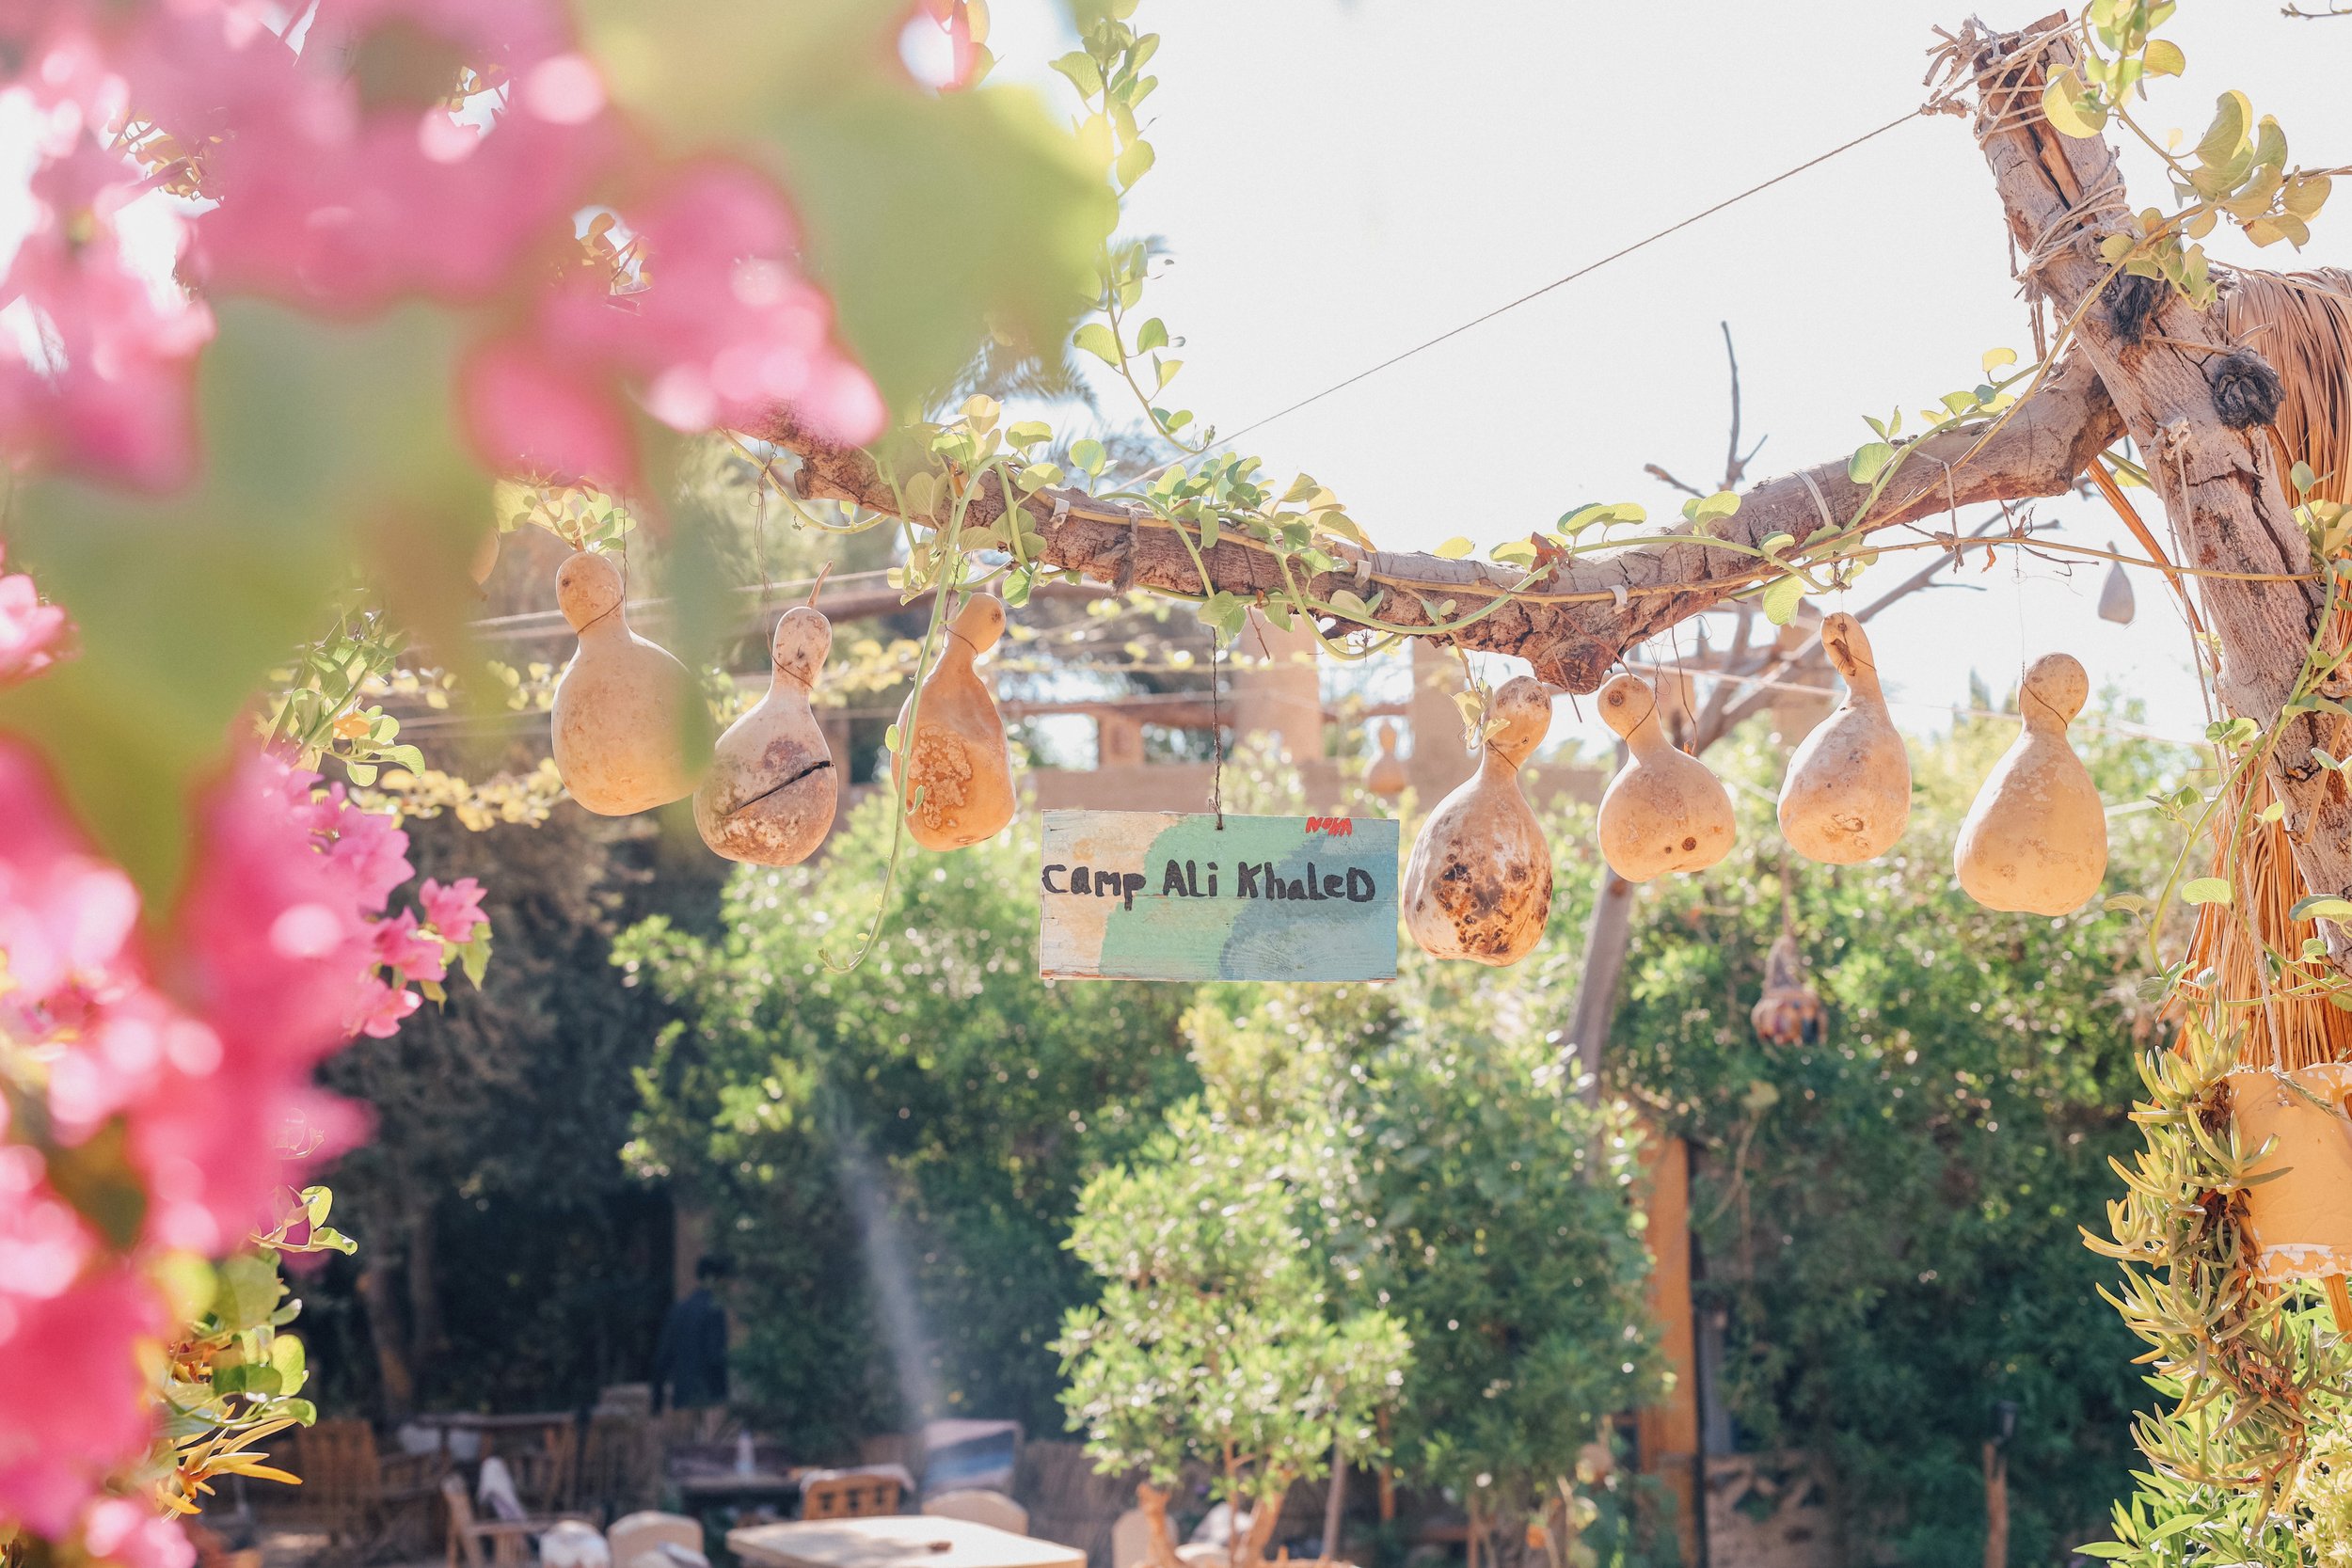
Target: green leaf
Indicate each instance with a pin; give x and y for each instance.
(1154, 335)
(1997, 359)
(2322, 906)
(1867, 460)
(1089, 457)
(2106, 1549)
(1134, 163)
(1781, 599)
(1083, 73)
(2162, 57)
(1454, 549)
(2206, 889)
(2069, 106)
(1777, 543)
(1096, 338)
(2126, 903)
(244, 1292)
(2226, 137)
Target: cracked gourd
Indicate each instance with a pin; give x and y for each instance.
(957, 789)
(1664, 811)
(2301, 1216)
(773, 787)
(1479, 883)
(629, 728)
(2035, 840)
(1847, 794)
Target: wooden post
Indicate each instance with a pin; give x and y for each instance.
(1996, 1506)
(1668, 1432)
(1335, 1505)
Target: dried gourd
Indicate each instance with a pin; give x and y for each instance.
(2301, 1217)
(2035, 840)
(1386, 776)
(958, 788)
(1663, 811)
(2115, 594)
(1479, 883)
(772, 788)
(1847, 794)
(630, 730)
(1789, 1012)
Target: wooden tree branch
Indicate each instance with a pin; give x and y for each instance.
(2158, 357)
(1573, 629)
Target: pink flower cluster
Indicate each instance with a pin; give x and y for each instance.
(181, 1061)
(375, 150)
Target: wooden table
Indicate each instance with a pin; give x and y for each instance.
(897, 1540)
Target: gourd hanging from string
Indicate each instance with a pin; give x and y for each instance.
(953, 772)
(1847, 794)
(2035, 842)
(773, 787)
(1479, 883)
(1386, 777)
(1789, 1012)
(629, 727)
(2115, 594)
(1663, 811)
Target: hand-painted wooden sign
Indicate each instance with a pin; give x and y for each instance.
(1163, 895)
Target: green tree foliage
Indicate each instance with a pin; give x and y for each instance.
(1889, 1217)
(1219, 1337)
(1488, 1204)
(980, 1097)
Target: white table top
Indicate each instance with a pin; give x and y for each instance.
(896, 1541)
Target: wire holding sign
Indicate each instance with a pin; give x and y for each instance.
(1166, 896)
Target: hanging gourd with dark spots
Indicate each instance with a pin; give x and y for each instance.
(629, 728)
(2035, 840)
(773, 787)
(1479, 883)
(1664, 811)
(957, 789)
(1848, 793)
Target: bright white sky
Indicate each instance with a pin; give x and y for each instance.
(1342, 179)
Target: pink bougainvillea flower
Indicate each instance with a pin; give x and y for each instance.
(409, 146)
(412, 955)
(33, 635)
(380, 1009)
(75, 1403)
(711, 323)
(117, 1529)
(455, 911)
(100, 353)
(726, 327)
(529, 413)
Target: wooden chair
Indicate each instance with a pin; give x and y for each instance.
(480, 1543)
(546, 1475)
(620, 1466)
(849, 1497)
(360, 1498)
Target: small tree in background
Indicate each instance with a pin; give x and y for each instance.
(1218, 1337)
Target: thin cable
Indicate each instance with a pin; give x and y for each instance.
(1556, 284)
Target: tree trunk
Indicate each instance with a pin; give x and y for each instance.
(378, 1296)
(1153, 1501)
(1249, 1544)
(427, 1337)
(2218, 477)
(1335, 1505)
(1607, 939)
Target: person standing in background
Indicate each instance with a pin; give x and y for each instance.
(690, 1360)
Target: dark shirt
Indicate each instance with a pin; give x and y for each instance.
(691, 1358)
